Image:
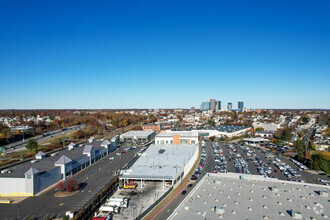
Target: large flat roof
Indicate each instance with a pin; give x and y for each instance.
(252, 197)
(181, 133)
(255, 139)
(137, 134)
(161, 162)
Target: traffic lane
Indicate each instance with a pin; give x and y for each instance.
(22, 147)
(47, 203)
(164, 214)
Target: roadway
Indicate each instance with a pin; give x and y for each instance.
(20, 145)
(92, 180)
(209, 164)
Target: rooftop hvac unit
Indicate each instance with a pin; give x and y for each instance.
(274, 189)
(187, 207)
(296, 215)
(219, 210)
(217, 181)
(323, 193)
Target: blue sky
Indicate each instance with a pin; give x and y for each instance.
(164, 54)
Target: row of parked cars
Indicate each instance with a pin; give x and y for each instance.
(248, 151)
(300, 165)
(220, 163)
(263, 168)
(240, 164)
(287, 170)
(201, 164)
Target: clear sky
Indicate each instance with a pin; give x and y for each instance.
(164, 54)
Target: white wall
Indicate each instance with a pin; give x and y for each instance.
(12, 185)
(191, 162)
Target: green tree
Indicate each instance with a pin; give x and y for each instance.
(299, 146)
(212, 138)
(32, 145)
(305, 120)
(211, 122)
(259, 129)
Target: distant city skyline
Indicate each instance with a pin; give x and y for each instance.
(151, 54)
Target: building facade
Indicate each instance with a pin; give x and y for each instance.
(229, 106)
(240, 105)
(151, 127)
(177, 137)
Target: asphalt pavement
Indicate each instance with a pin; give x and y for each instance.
(209, 164)
(92, 180)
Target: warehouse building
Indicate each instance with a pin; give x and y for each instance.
(162, 162)
(31, 177)
(177, 137)
(240, 196)
(137, 137)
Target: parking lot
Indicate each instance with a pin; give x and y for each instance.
(93, 179)
(229, 157)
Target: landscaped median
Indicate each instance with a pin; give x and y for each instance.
(166, 201)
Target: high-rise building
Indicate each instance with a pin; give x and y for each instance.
(212, 104)
(205, 106)
(240, 105)
(218, 106)
(229, 106)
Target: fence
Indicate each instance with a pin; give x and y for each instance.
(93, 205)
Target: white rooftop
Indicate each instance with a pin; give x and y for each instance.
(161, 162)
(255, 139)
(237, 196)
(181, 133)
(137, 134)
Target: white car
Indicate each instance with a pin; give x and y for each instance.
(70, 214)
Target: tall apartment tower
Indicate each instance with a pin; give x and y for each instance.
(212, 104)
(205, 106)
(229, 106)
(218, 106)
(240, 105)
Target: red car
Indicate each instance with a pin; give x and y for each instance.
(276, 171)
(123, 152)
